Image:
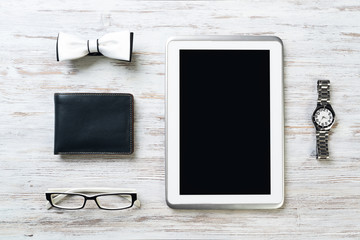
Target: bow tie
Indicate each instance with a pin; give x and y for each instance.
(117, 45)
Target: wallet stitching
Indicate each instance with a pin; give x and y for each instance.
(94, 152)
(131, 124)
(131, 120)
(96, 94)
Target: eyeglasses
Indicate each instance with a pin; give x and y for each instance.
(107, 198)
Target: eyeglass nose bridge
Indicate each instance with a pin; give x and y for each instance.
(90, 198)
(94, 198)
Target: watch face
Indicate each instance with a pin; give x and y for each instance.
(323, 117)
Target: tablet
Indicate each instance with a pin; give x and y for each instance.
(224, 122)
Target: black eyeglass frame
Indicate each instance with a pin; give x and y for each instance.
(92, 197)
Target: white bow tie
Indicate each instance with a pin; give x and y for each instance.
(117, 45)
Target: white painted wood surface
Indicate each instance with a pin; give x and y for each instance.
(322, 41)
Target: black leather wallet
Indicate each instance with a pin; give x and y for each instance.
(94, 123)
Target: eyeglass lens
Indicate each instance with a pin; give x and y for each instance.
(116, 201)
(70, 201)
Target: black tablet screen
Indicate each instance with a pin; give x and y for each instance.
(224, 122)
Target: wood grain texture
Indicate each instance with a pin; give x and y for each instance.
(321, 40)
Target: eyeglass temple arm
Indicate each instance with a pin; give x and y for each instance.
(102, 190)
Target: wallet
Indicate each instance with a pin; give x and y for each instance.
(94, 123)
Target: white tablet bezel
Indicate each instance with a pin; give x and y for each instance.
(276, 198)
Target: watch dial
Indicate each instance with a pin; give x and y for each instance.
(323, 117)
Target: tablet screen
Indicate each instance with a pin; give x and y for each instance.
(224, 122)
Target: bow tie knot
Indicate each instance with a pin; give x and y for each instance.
(93, 46)
(117, 45)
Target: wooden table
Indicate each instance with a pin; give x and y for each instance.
(322, 41)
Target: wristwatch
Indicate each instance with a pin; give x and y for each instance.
(323, 119)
